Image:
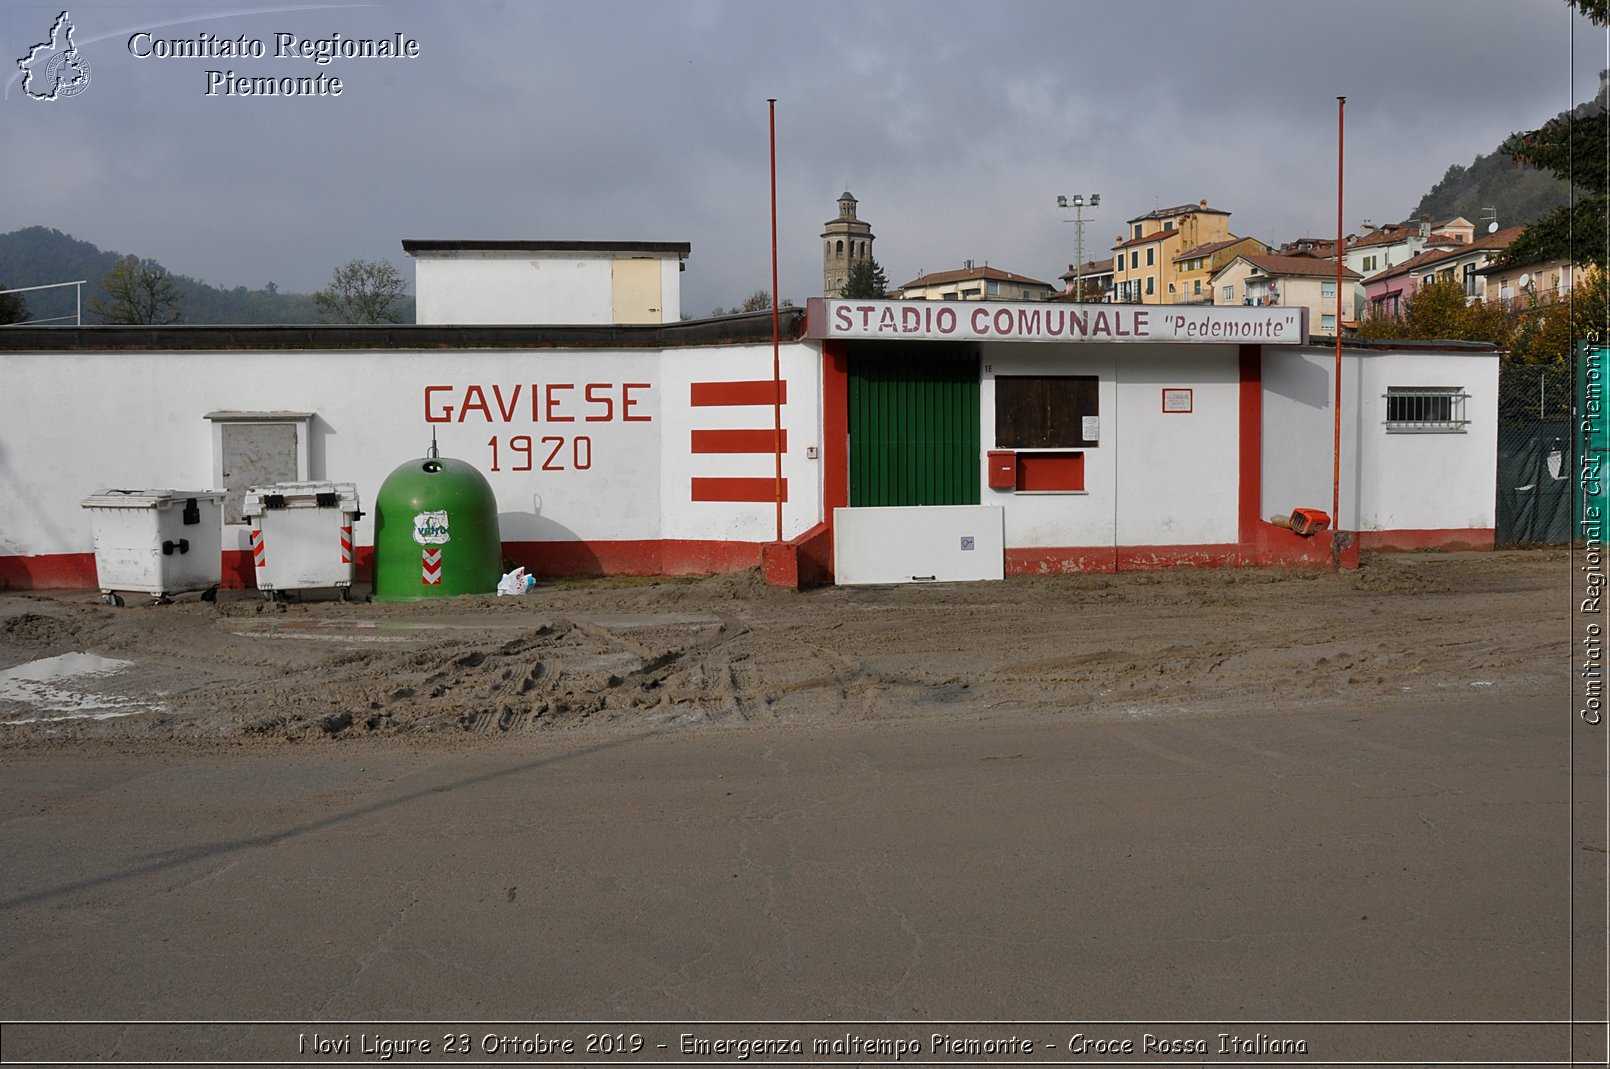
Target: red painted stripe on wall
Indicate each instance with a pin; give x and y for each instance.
(835, 428)
(737, 442)
(672, 556)
(1437, 538)
(751, 392)
(51, 571)
(1249, 468)
(736, 489)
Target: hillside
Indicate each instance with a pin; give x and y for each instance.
(37, 256)
(1520, 194)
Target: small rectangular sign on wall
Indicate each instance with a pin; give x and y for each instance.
(1177, 399)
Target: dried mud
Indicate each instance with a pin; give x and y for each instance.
(730, 651)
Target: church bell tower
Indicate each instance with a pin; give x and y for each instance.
(846, 241)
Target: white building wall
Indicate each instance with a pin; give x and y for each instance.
(1156, 478)
(491, 288)
(742, 521)
(1298, 431)
(496, 287)
(143, 425)
(1422, 481)
(1389, 481)
(1058, 519)
(1178, 472)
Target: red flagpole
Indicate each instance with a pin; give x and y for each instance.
(776, 343)
(1336, 440)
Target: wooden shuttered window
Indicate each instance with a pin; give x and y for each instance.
(1044, 411)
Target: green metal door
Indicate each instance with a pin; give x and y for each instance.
(914, 436)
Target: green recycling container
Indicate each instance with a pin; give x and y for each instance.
(436, 532)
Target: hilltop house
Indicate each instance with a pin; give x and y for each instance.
(1389, 291)
(1094, 280)
(1291, 282)
(1378, 249)
(1195, 267)
(1530, 283)
(976, 284)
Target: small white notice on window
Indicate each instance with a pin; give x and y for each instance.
(1091, 431)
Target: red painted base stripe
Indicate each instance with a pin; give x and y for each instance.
(1272, 546)
(732, 489)
(1067, 560)
(751, 392)
(647, 557)
(1440, 538)
(53, 571)
(737, 442)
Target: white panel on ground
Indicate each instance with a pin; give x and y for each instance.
(918, 544)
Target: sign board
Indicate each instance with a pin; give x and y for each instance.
(1042, 321)
(1177, 399)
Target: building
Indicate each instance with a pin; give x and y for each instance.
(1143, 268)
(1091, 284)
(976, 284)
(1524, 285)
(591, 282)
(919, 439)
(1377, 249)
(1290, 282)
(846, 241)
(1194, 268)
(1388, 293)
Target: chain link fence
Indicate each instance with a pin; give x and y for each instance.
(1535, 458)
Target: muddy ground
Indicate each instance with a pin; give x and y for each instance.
(731, 651)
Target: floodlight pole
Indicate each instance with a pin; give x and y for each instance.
(1077, 202)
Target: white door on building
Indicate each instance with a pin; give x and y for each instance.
(635, 291)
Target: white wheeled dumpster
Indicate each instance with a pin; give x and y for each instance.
(301, 536)
(157, 542)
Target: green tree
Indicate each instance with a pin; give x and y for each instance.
(138, 292)
(1439, 310)
(866, 281)
(362, 291)
(13, 309)
(1546, 331)
(1576, 147)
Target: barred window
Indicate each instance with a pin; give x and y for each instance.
(1425, 409)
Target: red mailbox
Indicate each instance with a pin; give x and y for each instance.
(1002, 469)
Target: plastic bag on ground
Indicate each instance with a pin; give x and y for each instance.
(516, 582)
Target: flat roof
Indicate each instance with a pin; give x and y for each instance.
(746, 327)
(414, 246)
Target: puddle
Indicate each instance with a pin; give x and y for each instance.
(49, 685)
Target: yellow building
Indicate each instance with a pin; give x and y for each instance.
(1143, 266)
(1195, 267)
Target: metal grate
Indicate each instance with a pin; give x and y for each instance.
(1425, 410)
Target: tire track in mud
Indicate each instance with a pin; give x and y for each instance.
(728, 650)
(562, 672)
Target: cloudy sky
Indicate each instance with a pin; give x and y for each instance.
(956, 125)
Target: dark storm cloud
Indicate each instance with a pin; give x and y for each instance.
(955, 125)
